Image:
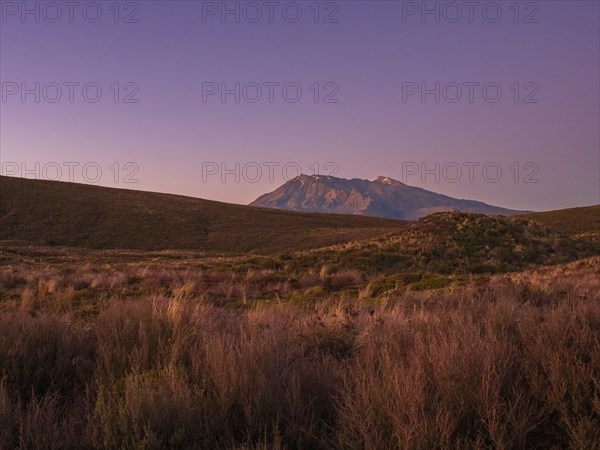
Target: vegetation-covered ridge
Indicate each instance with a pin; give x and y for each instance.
(508, 361)
(581, 222)
(455, 243)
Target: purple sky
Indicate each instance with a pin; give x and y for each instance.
(173, 135)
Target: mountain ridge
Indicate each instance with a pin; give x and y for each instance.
(382, 197)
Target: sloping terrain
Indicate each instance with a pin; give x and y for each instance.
(580, 222)
(457, 243)
(382, 197)
(57, 213)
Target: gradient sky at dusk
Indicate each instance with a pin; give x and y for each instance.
(370, 131)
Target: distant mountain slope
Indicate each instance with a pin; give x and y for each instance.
(57, 213)
(382, 197)
(584, 221)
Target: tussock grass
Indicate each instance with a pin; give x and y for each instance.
(512, 361)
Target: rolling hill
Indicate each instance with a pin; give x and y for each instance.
(86, 216)
(456, 243)
(581, 222)
(59, 213)
(382, 197)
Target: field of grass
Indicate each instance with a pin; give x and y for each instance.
(583, 221)
(226, 327)
(57, 213)
(442, 250)
(150, 350)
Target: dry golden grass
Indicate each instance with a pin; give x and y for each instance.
(150, 360)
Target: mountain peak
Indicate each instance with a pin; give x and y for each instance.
(314, 177)
(381, 197)
(387, 180)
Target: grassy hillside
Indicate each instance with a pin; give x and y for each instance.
(158, 354)
(456, 243)
(392, 335)
(55, 213)
(573, 221)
